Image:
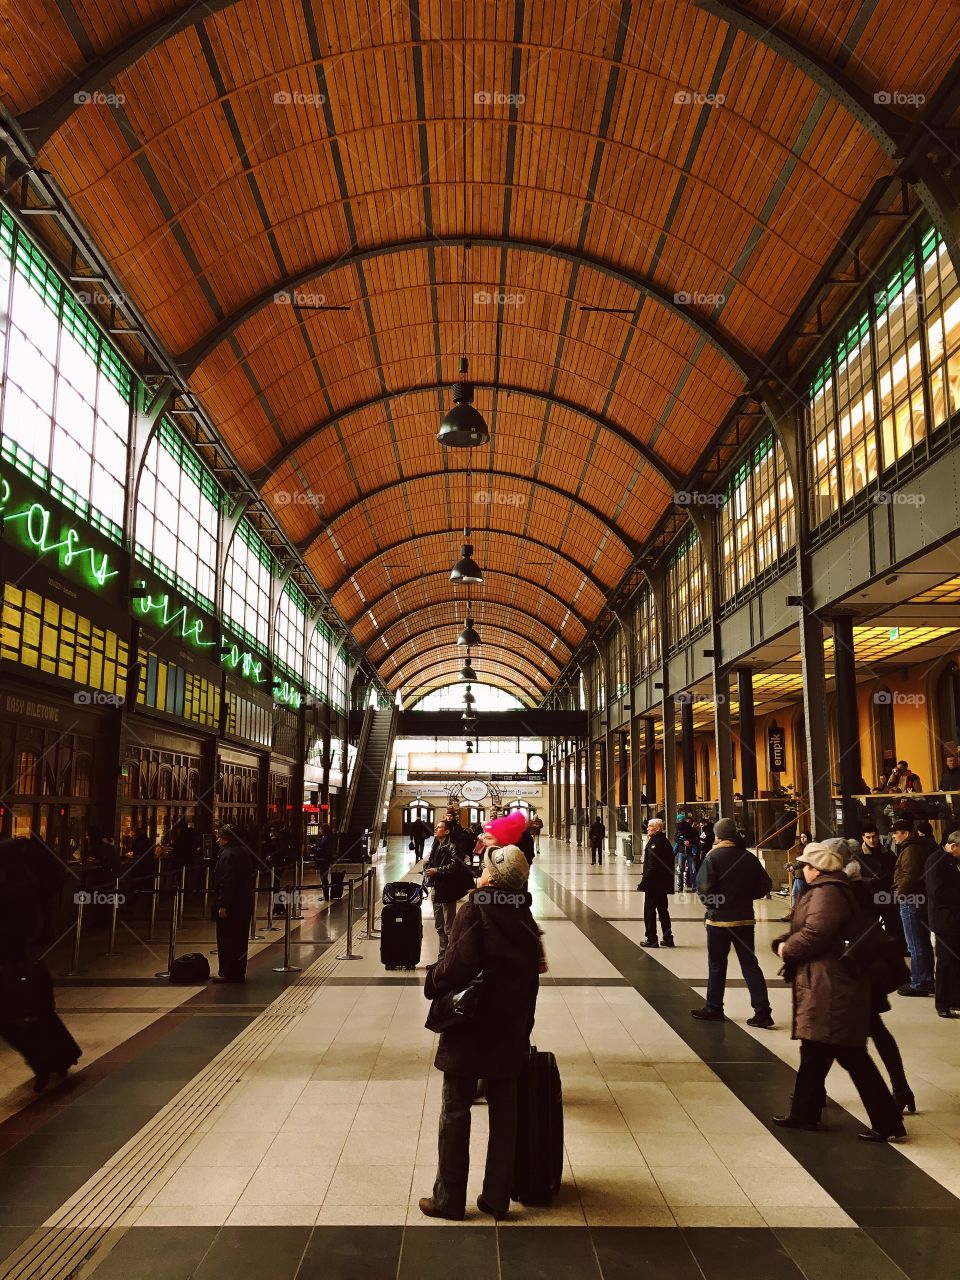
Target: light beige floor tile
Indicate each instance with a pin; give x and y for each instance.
(308, 1118)
(198, 1215)
(305, 1149)
(362, 1215)
(390, 1148)
(821, 1218)
(675, 1148)
(371, 1184)
(724, 1216)
(780, 1188)
(287, 1186)
(258, 1215)
(628, 1216)
(229, 1150)
(193, 1186)
(683, 1187)
(613, 1186)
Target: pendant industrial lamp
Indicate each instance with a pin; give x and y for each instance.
(468, 699)
(466, 570)
(463, 426)
(466, 671)
(468, 637)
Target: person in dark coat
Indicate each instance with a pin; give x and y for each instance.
(656, 885)
(731, 879)
(912, 852)
(324, 852)
(831, 1001)
(419, 831)
(597, 834)
(942, 880)
(443, 879)
(950, 777)
(495, 935)
(461, 840)
(876, 862)
(233, 890)
(685, 849)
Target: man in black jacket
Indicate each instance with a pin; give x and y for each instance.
(444, 871)
(419, 831)
(730, 880)
(597, 834)
(656, 885)
(942, 882)
(233, 890)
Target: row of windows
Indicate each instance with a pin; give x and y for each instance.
(687, 593)
(66, 400)
(757, 521)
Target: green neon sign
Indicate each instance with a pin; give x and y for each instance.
(284, 691)
(251, 668)
(36, 528)
(190, 628)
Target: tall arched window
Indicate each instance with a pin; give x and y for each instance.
(884, 733)
(948, 703)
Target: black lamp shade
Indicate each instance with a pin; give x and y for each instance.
(467, 672)
(466, 569)
(463, 426)
(468, 637)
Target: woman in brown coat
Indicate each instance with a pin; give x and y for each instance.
(831, 1001)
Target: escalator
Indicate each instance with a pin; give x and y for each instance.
(367, 793)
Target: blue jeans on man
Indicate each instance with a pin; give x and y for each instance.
(686, 856)
(720, 938)
(917, 933)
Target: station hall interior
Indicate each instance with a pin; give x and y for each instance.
(516, 435)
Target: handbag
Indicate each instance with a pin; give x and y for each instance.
(456, 1008)
(411, 846)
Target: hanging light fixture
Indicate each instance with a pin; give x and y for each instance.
(468, 699)
(463, 426)
(466, 569)
(466, 671)
(468, 638)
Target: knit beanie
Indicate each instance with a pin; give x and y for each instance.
(507, 867)
(508, 829)
(725, 829)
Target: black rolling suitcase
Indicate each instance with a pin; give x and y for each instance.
(538, 1162)
(336, 885)
(401, 925)
(29, 1021)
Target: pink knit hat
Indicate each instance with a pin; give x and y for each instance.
(508, 829)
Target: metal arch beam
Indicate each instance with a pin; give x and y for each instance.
(41, 122)
(533, 675)
(673, 478)
(491, 645)
(431, 630)
(497, 681)
(602, 519)
(598, 586)
(528, 685)
(747, 363)
(565, 605)
(904, 141)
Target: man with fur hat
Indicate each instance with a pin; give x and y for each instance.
(731, 878)
(494, 934)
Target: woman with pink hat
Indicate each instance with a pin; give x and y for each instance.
(512, 828)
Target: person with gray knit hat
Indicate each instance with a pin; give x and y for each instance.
(494, 935)
(730, 880)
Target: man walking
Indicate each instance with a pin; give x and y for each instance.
(942, 880)
(419, 830)
(597, 833)
(656, 885)
(535, 826)
(730, 880)
(912, 853)
(685, 849)
(444, 869)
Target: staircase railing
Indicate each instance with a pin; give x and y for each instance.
(386, 782)
(354, 783)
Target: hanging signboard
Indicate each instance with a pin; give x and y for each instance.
(777, 748)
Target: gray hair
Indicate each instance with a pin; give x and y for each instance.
(658, 823)
(953, 838)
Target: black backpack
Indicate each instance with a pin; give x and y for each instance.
(189, 969)
(867, 950)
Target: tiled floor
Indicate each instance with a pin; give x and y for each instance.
(295, 1120)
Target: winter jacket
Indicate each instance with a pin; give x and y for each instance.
(831, 1004)
(658, 872)
(501, 941)
(729, 881)
(597, 834)
(233, 879)
(912, 857)
(876, 867)
(447, 884)
(942, 882)
(526, 846)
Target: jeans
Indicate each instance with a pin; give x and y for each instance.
(450, 1188)
(443, 913)
(795, 890)
(686, 865)
(816, 1059)
(917, 934)
(655, 904)
(719, 942)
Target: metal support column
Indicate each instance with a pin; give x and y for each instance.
(669, 760)
(578, 794)
(687, 752)
(816, 729)
(724, 739)
(748, 748)
(848, 722)
(650, 759)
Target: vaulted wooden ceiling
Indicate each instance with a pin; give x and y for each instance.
(612, 209)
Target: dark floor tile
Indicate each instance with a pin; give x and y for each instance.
(55, 1145)
(254, 1251)
(11, 1238)
(859, 1175)
(921, 1252)
(836, 1253)
(157, 1253)
(125, 1118)
(728, 1253)
(470, 1251)
(655, 1253)
(131, 1093)
(44, 1186)
(547, 1253)
(356, 1253)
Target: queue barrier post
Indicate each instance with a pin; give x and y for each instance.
(154, 899)
(75, 969)
(287, 967)
(183, 895)
(350, 954)
(114, 909)
(172, 939)
(298, 876)
(372, 931)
